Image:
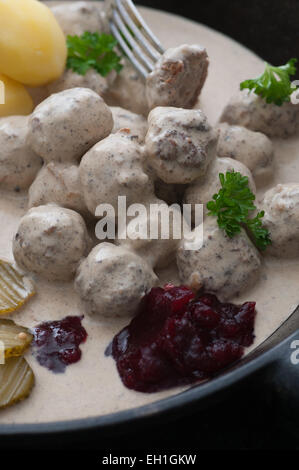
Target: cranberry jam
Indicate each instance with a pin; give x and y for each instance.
(56, 343)
(178, 339)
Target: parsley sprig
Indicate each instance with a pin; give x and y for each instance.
(93, 50)
(274, 84)
(232, 205)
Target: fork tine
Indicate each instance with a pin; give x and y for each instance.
(130, 39)
(142, 39)
(142, 70)
(131, 7)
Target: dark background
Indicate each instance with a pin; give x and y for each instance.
(268, 27)
(257, 416)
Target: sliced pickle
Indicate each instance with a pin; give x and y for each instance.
(15, 288)
(16, 381)
(15, 338)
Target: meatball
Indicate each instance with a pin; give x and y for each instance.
(224, 266)
(281, 206)
(178, 77)
(75, 18)
(251, 111)
(51, 241)
(112, 168)
(253, 149)
(203, 189)
(128, 91)
(18, 163)
(155, 234)
(180, 144)
(124, 119)
(111, 281)
(92, 80)
(58, 183)
(67, 124)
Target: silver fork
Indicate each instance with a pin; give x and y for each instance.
(134, 36)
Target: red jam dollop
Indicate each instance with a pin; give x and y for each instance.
(177, 339)
(56, 343)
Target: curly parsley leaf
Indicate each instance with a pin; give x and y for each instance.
(260, 235)
(232, 204)
(274, 84)
(93, 50)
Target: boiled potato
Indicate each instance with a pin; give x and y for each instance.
(17, 100)
(32, 45)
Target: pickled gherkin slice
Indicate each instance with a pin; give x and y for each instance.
(15, 288)
(15, 338)
(16, 381)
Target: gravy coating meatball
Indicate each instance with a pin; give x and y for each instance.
(92, 80)
(51, 241)
(58, 183)
(180, 144)
(253, 149)
(178, 77)
(112, 280)
(154, 234)
(203, 189)
(18, 163)
(112, 168)
(281, 206)
(126, 119)
(64, 126)
(75, 18)
(251, 111)
(225, 266)
(128, 90)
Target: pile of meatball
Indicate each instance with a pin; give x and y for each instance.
(78, 150)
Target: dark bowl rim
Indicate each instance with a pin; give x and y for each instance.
(159, 408)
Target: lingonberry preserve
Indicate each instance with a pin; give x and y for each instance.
(177, 338)
(56, 343)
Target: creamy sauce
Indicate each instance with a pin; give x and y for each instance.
(92, 386)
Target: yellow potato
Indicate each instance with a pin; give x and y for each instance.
(14, 98)
(32, 44)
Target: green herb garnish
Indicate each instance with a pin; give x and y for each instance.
(232, 204)
(93, 50)
(274, 84)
